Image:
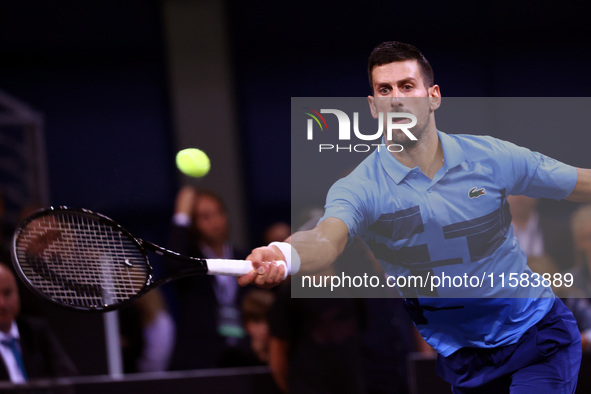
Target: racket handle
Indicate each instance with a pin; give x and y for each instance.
(234, 267)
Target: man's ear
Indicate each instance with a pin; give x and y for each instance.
(434, 97)
(372, 107)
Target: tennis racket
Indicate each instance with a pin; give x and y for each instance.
(86, 261)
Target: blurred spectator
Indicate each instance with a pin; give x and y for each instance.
(526, 225)
(255, 309)
(533, 234)
(581, 230)
(315, 343)
(388, 339)
(210, 332)
(276, 232)
(28, 348)
(581, 309)
(576, 297)
(544, 238)
(158, 332)
(147, 334)
(342, 344)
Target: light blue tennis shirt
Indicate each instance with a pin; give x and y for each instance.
(454, 224)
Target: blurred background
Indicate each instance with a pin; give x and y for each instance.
(96, 97)
(120, 86)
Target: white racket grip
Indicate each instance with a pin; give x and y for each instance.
(233, 267)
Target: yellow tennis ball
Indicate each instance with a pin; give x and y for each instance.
(193, 162)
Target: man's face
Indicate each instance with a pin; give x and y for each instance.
(400, 87)
(9, 299)
(211, 221)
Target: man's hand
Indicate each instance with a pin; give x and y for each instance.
(185, 201)
(267, 273)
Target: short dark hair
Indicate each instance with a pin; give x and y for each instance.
(395, 51)
(256, 305)
(205, 193)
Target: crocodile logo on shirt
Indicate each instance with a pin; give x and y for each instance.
(475, 192)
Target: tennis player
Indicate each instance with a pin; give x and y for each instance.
(441, 204)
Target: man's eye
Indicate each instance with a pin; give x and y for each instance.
(384, 90)
(407, 87)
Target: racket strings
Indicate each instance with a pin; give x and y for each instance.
(80, 260)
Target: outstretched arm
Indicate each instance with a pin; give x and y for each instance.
(317, 248)
(582, 190)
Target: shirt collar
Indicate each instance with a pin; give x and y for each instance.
(12, 333)
(452, 153)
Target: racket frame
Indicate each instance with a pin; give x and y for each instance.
(197, 266)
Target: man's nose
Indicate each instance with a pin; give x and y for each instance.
(396, 99)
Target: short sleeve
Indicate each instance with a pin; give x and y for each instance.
(347, 201)
(534, 174)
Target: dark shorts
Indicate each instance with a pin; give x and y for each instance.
(546, 359)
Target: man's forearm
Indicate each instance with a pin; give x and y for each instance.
(319, 248)
(582, 190)
(316, 254)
